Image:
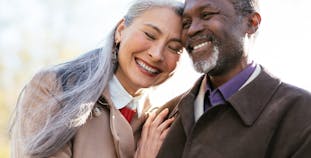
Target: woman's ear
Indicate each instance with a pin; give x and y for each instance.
(254, 20)
(120, 27)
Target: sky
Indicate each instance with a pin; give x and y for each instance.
(41, 27)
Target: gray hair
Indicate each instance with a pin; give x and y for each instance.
(140, 6)
(81, 81)
(245, 7)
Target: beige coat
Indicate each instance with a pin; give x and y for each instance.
(108, 135)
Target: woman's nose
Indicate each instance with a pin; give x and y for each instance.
(156, 53)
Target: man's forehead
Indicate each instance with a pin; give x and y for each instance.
(196, 5)
(190, 4)
(196, 2)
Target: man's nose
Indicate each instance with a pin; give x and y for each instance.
(195, 28)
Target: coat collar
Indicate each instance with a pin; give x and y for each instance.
(186, 106)
(250, 101)
(136, 123)
(119, 96)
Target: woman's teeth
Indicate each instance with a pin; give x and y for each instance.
(147, 68)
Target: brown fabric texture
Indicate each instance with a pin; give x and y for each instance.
(265, 119)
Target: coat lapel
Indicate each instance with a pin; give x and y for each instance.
(137, 122)
(186, 106)
(121, 131)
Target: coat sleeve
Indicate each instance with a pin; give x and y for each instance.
(304, 150)
(293, 136)
(65, 152)
(37, 104)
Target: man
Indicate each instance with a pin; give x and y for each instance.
(236, 109)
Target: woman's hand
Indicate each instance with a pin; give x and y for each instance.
(153, 133)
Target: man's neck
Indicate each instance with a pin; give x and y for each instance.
(217, 81)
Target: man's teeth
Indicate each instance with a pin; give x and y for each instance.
(200, 45)
(147, 68)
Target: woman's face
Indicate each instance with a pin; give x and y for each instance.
(149, 49)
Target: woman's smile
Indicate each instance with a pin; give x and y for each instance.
(151, 70)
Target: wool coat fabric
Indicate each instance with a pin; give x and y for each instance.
(265, 119)
(108, 135)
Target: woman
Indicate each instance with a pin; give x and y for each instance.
(84, 108)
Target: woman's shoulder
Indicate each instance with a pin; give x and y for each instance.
(44, 77)
(45, 74)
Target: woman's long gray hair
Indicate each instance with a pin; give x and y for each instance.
(79, 83)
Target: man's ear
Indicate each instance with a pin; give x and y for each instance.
(120, 27)
(254, 20)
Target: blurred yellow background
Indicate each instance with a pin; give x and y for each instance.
(35, 34)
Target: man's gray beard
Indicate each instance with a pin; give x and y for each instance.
(204, 66)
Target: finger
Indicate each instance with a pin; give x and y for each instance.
(164, 133)
(158, 125)
(160, 117)
(139, 122)
(151, 117)
(147, 125)
(167, 123)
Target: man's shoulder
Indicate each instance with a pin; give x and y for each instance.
(267, 80)
(294, 93)
(171, 104)
(295, 89)
(285, 92)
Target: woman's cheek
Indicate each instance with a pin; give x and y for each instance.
(142, 41)
(172, 61)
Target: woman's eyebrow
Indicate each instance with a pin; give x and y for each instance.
(154, 27)
(160, 32)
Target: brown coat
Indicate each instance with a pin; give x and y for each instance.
(265, 119)
(108, 135)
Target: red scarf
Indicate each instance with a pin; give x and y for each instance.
(128, 113)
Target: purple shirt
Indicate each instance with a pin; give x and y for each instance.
(222, 93)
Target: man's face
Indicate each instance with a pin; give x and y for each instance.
(213, 35)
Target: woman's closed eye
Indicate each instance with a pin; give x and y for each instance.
(176, 50)
(150, 36)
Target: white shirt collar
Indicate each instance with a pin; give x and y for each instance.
(199, 101)
(121, 98)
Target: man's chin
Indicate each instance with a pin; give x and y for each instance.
(203, 67)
